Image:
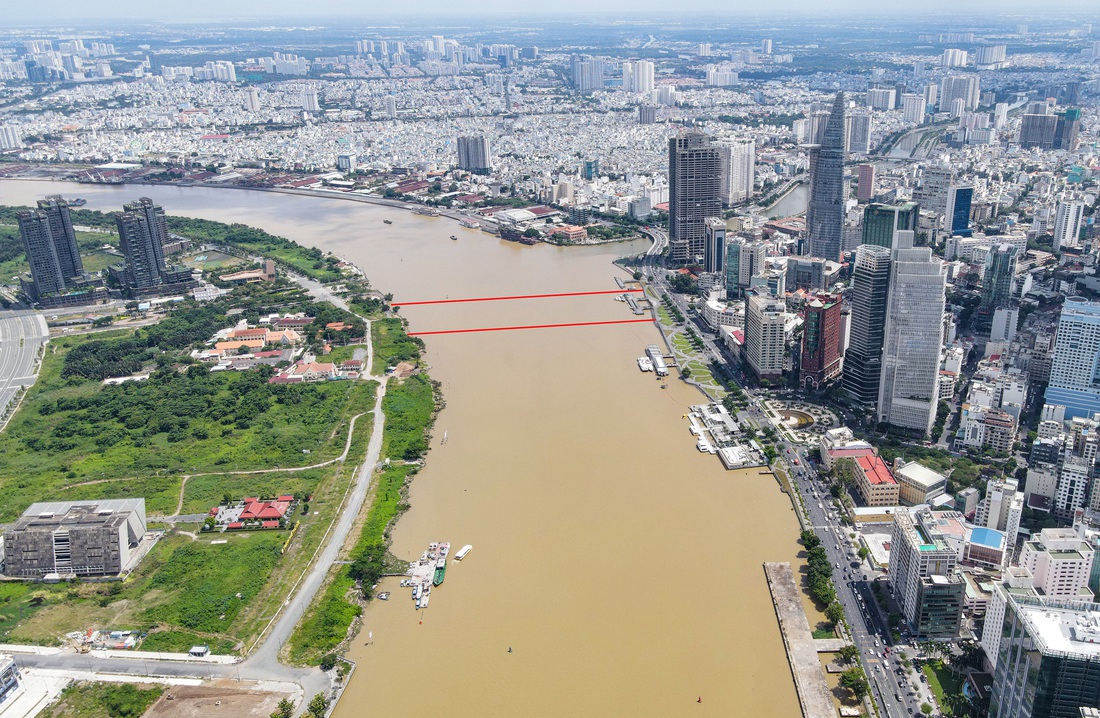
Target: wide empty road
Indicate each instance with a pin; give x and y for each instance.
(22, 334)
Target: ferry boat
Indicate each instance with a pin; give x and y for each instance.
(78, 202)
(463, 551)
(440, 572)
(470, 223)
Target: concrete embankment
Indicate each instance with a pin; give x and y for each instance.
(809, 681)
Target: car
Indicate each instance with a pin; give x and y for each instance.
(838, 565)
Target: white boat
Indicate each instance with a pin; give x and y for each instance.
(463, 551)
(645, 364)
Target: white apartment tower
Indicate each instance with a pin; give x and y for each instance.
(252, 99)
(1060, 562)
(738, 172)
(1067, 224)
(909, 385)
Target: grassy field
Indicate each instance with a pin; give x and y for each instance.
(941, 681)
(137, 438)
(85, 699)
(183, 585)
(410, 408)
(392, 344)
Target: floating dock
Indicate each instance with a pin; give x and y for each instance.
(633, 304)
(619, 281)
(429, 571)
(809, 678)
(654, 353)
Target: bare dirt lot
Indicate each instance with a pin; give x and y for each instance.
(212, 701)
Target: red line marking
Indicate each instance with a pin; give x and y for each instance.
(531, 326)
(522, 296)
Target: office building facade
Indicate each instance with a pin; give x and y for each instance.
(694, 178)
(998, 278)
(82, 538)
(957, 218)
(923, 576)
(913, 340)
(868, 296)
(881, 222)
(1067, 224)
(1075, 364)
(1048, 658)
(765, 335)
(825, 211)
(822, 357)
(714, 246)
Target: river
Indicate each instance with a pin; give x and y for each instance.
(621, 567)
(792, 203)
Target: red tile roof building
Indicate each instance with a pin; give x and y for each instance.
(874, 482)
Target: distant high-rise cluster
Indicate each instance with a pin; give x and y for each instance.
(143, 234)
(588, 74)
(57, 271)
(638, 76)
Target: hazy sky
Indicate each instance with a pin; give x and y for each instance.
(52, 12)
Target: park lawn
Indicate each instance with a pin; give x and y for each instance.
(85, 699)
(183, 584)
(139, 436)
(941, 681)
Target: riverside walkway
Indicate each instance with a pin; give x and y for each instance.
(809, 679)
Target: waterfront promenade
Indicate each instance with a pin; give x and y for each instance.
(809, 680)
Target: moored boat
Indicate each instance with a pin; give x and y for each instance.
(463, 551)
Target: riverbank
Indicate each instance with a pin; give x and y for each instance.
(539, 473)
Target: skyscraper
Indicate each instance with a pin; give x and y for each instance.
(858, 133)
(865, 189)
(997, 280)
(473, 153)
(142, 231)
(50, 243)
(825, 211)
(765, 335)
(957, 218)
(913, 340)
(1067, 225)
(924, 579)
(252, 99)
(882, 222)
(714, 248)
(643, 76)
(1075, 365)
(738, 172)
(694, 184)
(821, 339)
(934, 187)
(1037, 130)
(869, 294)
(1048, 657)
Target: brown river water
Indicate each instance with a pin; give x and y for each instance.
(622, 567)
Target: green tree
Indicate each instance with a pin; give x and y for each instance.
(317, 706)
(835, 613)
(285, 709)
(849, 653)
(853, 680)
(926, 709)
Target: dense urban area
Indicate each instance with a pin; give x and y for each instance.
(872, 248)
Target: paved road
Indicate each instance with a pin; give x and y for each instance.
(22, 334)
(853, 585)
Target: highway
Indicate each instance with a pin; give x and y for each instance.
(23, 333)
